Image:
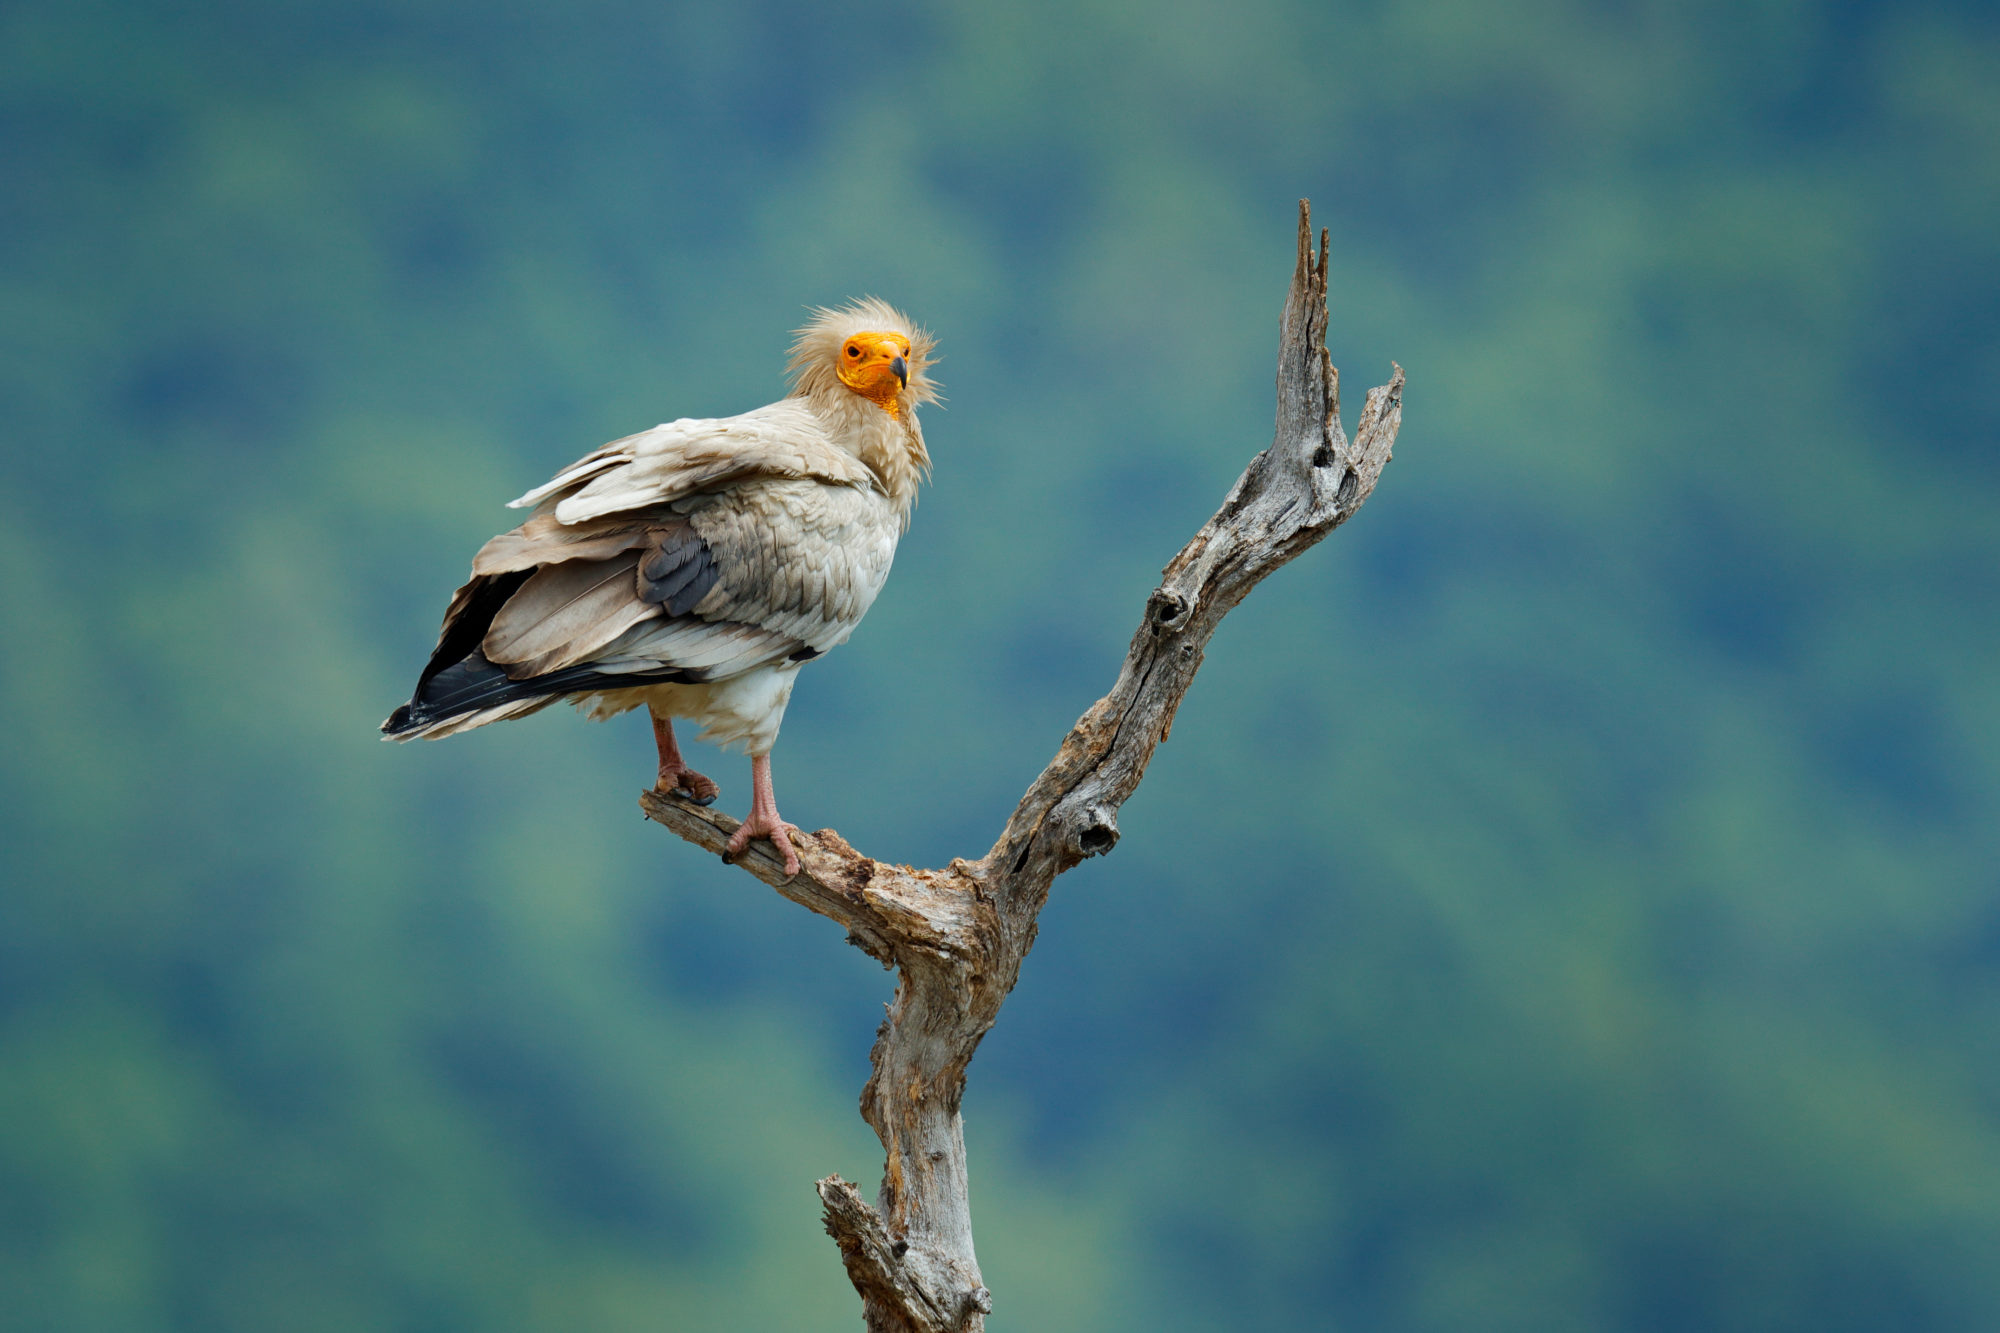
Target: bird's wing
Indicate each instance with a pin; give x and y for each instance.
(765, 572)
(712, 586)
(692, 552)
(682, 458)
(797, 556)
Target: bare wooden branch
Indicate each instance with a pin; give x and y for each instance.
(891, 1297)
(957, 936)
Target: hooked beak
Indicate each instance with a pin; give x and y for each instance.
(901, 369)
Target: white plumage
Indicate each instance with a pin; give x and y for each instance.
(696, 566)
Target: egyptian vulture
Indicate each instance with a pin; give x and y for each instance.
(695, 567)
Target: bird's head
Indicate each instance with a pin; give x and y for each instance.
(869, 349)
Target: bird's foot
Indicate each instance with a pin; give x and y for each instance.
(760, 825)
(684, 781)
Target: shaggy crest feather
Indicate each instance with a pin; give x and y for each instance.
(890, 443)
(816, 347)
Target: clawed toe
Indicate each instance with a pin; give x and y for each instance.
(778, 834)
(688, 784)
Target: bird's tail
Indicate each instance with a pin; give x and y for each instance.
(469, 693)
(472, 692)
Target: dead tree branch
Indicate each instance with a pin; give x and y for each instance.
(957, 936)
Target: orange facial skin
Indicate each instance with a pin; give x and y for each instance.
(876, 366)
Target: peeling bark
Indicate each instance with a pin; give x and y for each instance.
(957, 936)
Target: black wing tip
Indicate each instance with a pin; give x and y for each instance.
(403, 723)
(475, 684)
(465, 686)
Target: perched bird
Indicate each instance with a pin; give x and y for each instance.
(695, 567)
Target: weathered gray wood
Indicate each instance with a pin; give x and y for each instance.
(957, 936)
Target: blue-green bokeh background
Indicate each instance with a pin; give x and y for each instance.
(1570, 899)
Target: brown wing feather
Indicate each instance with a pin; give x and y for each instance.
(564, 614)
(544, 541)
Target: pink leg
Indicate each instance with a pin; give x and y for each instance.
(675, 775)
(763, 821)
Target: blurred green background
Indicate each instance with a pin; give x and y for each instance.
(1570, 899)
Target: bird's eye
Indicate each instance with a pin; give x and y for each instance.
(854, 351)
